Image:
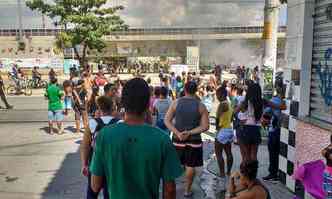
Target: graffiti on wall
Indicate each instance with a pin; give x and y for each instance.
(325, 77)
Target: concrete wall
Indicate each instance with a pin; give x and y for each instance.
(36, 47)
(212, 51)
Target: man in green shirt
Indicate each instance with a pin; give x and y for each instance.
(134, 156)
(55, 108)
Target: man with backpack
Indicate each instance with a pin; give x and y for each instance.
(133, 156)
(103, 118)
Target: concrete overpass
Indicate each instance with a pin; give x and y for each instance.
(164, 34)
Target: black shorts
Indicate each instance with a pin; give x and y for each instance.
(190, 156)
(249, 134)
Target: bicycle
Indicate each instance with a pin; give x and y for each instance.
(34, 83)
(20, 87)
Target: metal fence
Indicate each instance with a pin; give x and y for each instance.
(148, 31)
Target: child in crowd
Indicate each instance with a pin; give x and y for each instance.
(161, 107)
(327, 178)
(103, 118)
(112, 90)
(68, 99)
(55, 108)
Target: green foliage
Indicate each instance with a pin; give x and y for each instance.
(89, 22)
(268, 79)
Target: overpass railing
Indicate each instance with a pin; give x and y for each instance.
(148, 31)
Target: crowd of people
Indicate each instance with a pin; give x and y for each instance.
(163, 124)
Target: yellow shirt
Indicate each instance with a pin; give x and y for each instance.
(225, 120)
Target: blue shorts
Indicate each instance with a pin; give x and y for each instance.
(55, 116)
(225, 136)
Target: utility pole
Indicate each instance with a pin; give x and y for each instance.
(43, 21)
(19, 14)
(270, 37)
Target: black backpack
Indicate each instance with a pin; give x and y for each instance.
(100, 126)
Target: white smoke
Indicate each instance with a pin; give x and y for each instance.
(231, 52)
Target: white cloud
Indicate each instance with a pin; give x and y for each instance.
(159, 13)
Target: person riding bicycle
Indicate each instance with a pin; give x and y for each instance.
(36, 75)
(14, 72)
(21, 74)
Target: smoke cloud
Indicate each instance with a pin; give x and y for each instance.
(231, 52)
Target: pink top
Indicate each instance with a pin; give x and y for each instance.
(249, 116)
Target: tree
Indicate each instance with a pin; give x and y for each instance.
(89, 22)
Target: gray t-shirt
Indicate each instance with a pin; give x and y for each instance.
(162, 106)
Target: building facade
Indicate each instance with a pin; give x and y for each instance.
(307, 126)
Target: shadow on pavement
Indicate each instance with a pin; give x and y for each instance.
(70, 129)
(44, 129)
(67, 183)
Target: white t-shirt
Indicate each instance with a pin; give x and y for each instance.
(93, 123)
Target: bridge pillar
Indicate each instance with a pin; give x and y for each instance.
(270, 36)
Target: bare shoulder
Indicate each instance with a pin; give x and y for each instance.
(202, 107)
(259, 192)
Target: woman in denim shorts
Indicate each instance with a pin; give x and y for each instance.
(224, 137)
(249, 135)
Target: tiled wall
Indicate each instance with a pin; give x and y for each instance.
(287, 147)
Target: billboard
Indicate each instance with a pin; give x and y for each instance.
(193, 58)
(32, 62)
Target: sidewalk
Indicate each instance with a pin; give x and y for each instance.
(35, 165)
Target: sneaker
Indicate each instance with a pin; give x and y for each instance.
(272, 178)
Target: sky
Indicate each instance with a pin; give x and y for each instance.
(162, 13)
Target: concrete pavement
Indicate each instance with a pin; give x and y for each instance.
(35, 165)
